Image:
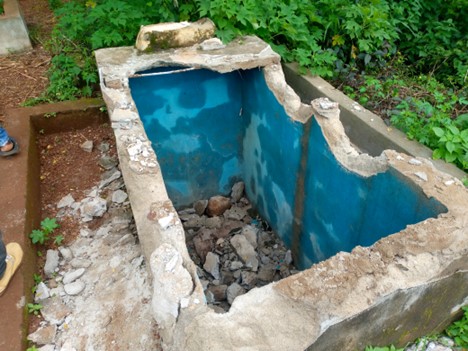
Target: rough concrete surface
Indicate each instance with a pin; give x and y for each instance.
(295, 312)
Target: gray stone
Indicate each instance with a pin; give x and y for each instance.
(87, 146)
(235, 213)
(119, 196)
(93, 207)
(250, 232)
(288, 258)
(109, 177)
(74, 288)
(43, 335)
(103, 147)
(66, 253)
(218, 291)
(228, 227)
(66, 201)
(249, 279)
(52, 262)
(266, 273)
(50, 347)
(217, 205)
(235, 265)
(213, 222)
(212, 265)
(42, 292)
(237, 191)
(200, 206)
(54, 310)
(212, 44)
(202, 247)
(73, 275)
(245, 251)
(233, 291)
(80, 263)
(108, 162)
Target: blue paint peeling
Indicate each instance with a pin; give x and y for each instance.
(210, 130)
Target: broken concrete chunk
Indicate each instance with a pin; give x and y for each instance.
(87, 146)
(237, 191)
(200, 207)
(212, 264)
(66, 201)
(163, 36)
(233, 291)
(212, 44)
(245, 250)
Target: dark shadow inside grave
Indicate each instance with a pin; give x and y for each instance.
(211, 131)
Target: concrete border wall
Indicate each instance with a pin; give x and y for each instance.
(14, 35)
(365, 129)
(296, 312)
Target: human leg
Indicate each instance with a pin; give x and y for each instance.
(4, 138)
(3, 255)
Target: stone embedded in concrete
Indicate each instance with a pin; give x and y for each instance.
(172, 283)
(174, 35)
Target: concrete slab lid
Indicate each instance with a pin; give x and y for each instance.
(292, 313)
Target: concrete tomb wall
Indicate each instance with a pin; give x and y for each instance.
(309, 182)
(210, 129)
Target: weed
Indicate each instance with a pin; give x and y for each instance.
(386, 348)
(458, 331)
(50, 114)
(32, 348)
(58, 240)
(42, 235)
(34, 308)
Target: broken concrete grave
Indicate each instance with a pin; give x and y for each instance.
(374, 238)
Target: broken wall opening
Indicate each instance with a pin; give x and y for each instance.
(210, 130)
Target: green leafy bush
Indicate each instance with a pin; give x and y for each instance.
(459, 330)
(1, 7)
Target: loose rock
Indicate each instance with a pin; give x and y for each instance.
(217, 205)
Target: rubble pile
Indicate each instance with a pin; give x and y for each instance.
(234, 249)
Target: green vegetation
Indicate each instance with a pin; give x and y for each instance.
(1, 7)
(40, 236)
(386, 348)
(406, 59)
(459, 330)
(34, 308)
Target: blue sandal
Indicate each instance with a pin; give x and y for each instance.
(13, 151)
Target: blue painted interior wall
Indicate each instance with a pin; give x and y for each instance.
(209, 130)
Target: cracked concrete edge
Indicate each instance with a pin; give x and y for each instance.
(293, 313)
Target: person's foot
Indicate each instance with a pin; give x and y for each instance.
(9, 148)
(13, 261)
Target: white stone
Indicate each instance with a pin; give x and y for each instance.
(52, 262)
(44, 335)
(94, 207)
(212, 44)
(42, 292)
(66, 253)
(66, 201)
(421, 175)
(119, 196)
(250, 232)
(415, 162)
(245, 250)
(74, 288)
(73, 275)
